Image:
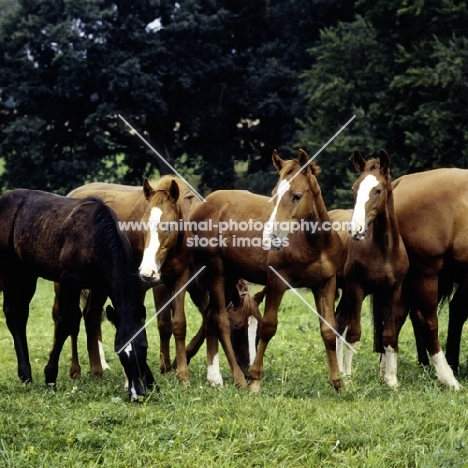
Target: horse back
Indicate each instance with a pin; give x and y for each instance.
(431, 208)
(46, 233)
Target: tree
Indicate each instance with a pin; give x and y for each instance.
(402, 70)
(207, 82)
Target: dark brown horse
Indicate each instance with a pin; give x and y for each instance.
(431, 212)
(77, 244)
(376, 264)
(233, 245)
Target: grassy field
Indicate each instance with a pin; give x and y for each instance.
(297, 420)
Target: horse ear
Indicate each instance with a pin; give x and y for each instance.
(303, 160)
(384, 162)
(147, 189)
(359, 161)
(174, 190)
(277, 161)
(112, 316)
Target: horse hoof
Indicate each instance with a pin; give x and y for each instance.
(255, 386)
(337, 384)
(166, 369)
(392, 383)
(75, 374)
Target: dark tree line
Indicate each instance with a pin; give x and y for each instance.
(209, 82)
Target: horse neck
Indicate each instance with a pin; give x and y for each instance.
(384, 228)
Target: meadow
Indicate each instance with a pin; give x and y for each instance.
(297, 420)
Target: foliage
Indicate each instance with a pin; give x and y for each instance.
(213, 80)
(297, 420)
(401, 67)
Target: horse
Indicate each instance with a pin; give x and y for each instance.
(430, 208)
(227, 242)
(77, 244)
(167, 255)
(376, 264)
(130, 204)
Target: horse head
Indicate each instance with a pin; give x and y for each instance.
(161, 222)
(246, 320)
(132, 346)
(370, 192)
(298, 199)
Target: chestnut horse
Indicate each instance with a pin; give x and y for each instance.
(167, 243)
(376, 264)
(232, 247)
(431, 211)
(77, 244)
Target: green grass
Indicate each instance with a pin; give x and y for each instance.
(297, 420)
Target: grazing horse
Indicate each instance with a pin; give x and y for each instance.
(376, 264)
(431, 211)
(232, 246)
(245, 321)
(77, 244)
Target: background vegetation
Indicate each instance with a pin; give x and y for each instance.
(297, 420)
(213, 82)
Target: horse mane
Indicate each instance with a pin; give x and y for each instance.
(372, 164)
(187, 199)
(115, 255)
(293, 165)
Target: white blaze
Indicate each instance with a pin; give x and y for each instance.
(148, 267)
(252, 334)
(358, 221)
(284, 186)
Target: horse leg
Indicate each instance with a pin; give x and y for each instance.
(274, 292)
(93, 318)
(68, 323)
(218, 326)
(16, 308)
(213, 373)
(75, 368)
(195, 343)
(200, 299)
(179, 329)
(458, 314)
(420, 346)
(348, 321)
(391, 312)
(325, 300)
(425, 291)
(161, 296)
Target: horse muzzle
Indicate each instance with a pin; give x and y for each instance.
(358, 235)
(151, 277)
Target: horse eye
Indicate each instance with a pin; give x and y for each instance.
(296, 197)
(378, 191)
